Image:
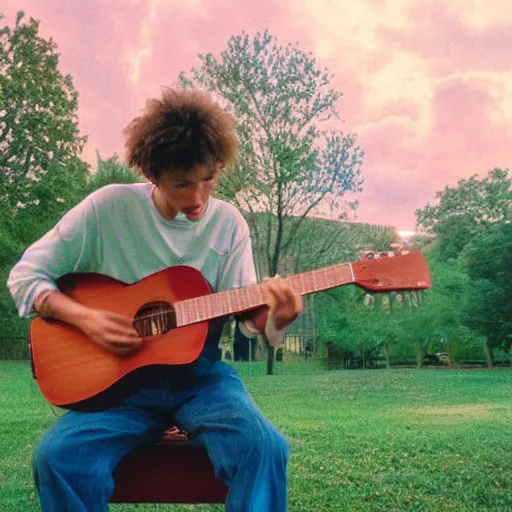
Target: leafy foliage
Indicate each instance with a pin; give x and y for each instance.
(427, 321)
(489, 309)
(288, 166)
(317, 242)
(38, 117)
(464, 211)
(41, 174)
(111, 171)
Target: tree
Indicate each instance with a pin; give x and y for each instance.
(321, 242)
(288, 166)
(41, 174)
(464, 211)
(335, 311)
(433, 318)
(38, 116)
(488, 309)
(345, 318)
(111, 171)
(383, 322)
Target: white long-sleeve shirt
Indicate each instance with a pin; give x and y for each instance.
(118, 231)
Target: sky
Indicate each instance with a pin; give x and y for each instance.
(427, 85)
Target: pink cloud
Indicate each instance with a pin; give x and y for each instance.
(394, 173)
(91, 42)
(403, 172)
(94, 37)
(463, 139)
(440, 37)
(414, 146)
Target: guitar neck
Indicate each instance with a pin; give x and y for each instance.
(233, 302)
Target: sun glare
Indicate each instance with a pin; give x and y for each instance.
(405, 234)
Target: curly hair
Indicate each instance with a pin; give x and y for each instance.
(179, 132)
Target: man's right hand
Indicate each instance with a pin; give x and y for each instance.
(111, 331)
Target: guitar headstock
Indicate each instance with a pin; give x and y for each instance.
(383, 271)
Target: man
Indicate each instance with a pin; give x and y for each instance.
(181, 144)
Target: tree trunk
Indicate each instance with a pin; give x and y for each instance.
(385, 349)
(274, 265)
(489, 355)
(271, 354)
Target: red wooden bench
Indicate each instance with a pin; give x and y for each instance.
(169, 471)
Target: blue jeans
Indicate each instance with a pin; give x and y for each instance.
(75, 458)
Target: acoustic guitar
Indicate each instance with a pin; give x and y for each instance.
(171, 309)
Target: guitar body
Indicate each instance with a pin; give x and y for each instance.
(70, 368)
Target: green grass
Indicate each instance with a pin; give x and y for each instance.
(432, 440)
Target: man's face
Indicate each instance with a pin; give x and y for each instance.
(185, 191)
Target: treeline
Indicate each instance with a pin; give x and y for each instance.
(466, 316)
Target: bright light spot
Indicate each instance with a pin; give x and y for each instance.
(405, 234)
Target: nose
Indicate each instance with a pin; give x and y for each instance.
(195, 196)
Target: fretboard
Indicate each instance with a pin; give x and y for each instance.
(232, 302)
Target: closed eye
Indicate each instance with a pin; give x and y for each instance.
(186, 184)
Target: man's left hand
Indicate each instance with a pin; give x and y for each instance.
(284, 302)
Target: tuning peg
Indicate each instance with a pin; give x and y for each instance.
(367, 255)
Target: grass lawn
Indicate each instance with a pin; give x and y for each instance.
(432, 440)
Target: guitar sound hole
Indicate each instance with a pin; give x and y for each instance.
(155, 318)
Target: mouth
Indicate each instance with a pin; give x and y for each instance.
(193, 213)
